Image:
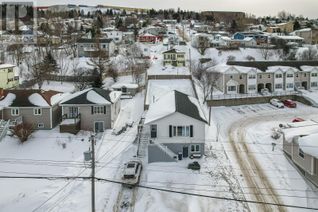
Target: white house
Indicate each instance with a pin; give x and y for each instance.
(176, 124)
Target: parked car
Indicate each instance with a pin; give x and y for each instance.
(194, 166)
(298, 120)
(265, 92)
(132, 172)
(290, 103)
(276, 103)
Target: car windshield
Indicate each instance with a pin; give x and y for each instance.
(130, 165)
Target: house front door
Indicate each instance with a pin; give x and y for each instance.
(153, 131)
(185, 151)
(99, 127)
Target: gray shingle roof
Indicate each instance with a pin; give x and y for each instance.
(186, 107)
(82, 98)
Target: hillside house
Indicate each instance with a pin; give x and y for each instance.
(36, 107)
(176, 124)
(174, 57)
(93, 109)
(8, 78)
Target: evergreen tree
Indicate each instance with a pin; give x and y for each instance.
(296, 25)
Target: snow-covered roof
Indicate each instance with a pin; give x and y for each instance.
(7, 100)
(292, 132)
(309, 68)
(309, 144)
(119, 85)
(290, 37)
(37, 99)
(222, 68)
(271, 69)
(172, 102)
(2, 66)
(92, 96)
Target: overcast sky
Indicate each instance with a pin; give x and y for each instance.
(308, 8)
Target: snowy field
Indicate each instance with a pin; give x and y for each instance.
(245, 136)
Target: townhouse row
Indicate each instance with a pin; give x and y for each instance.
(250, 78)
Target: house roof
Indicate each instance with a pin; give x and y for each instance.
(172, 51)
(263, 65)
(309, 144)
(172, 102)
(89, 96)
(89, 40)
(30, 98)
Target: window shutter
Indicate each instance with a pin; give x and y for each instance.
(170, 131)
(92, 109)
(191, 130)
(104, 109)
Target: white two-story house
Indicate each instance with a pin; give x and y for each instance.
(176, 124)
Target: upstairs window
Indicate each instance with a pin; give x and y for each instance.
(37, 111)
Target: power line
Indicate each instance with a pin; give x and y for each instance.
(213, 197)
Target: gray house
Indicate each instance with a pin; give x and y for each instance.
(93, 109)
(300, 144)
(36, 107)
(176, 125)
(89, 47)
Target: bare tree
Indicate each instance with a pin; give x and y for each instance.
(78, 73)
(23, 131)
(100, 60)
(310, 53)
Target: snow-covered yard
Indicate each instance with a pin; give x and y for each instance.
(158, 88)
(52, 154)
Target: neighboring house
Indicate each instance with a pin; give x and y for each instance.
(155, 30)
(115, 35)
(300, 144)
(201, 40)
(306, 34)
(174, 57)
(277, 76)
(176, 124)
(259, 37)
(37, 107)
(88, 47)
(127, 89)
(149, 38)
(8, 78)
(129, 37)
(291, 40)
(93, 109)
(287, 27)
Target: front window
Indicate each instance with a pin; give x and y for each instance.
(37, 111)
(290, 85)
(278, 86)
(231, 88)
(15, 111)
(290, 75)
(278, 76)
(314, 74)
(99, 110)
(252, 76)
(314, 84)
(195, 148)
(181, 131)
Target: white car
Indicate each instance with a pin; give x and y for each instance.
(277, 103)
(132, 172)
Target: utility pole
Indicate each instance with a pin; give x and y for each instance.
(93, 172)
